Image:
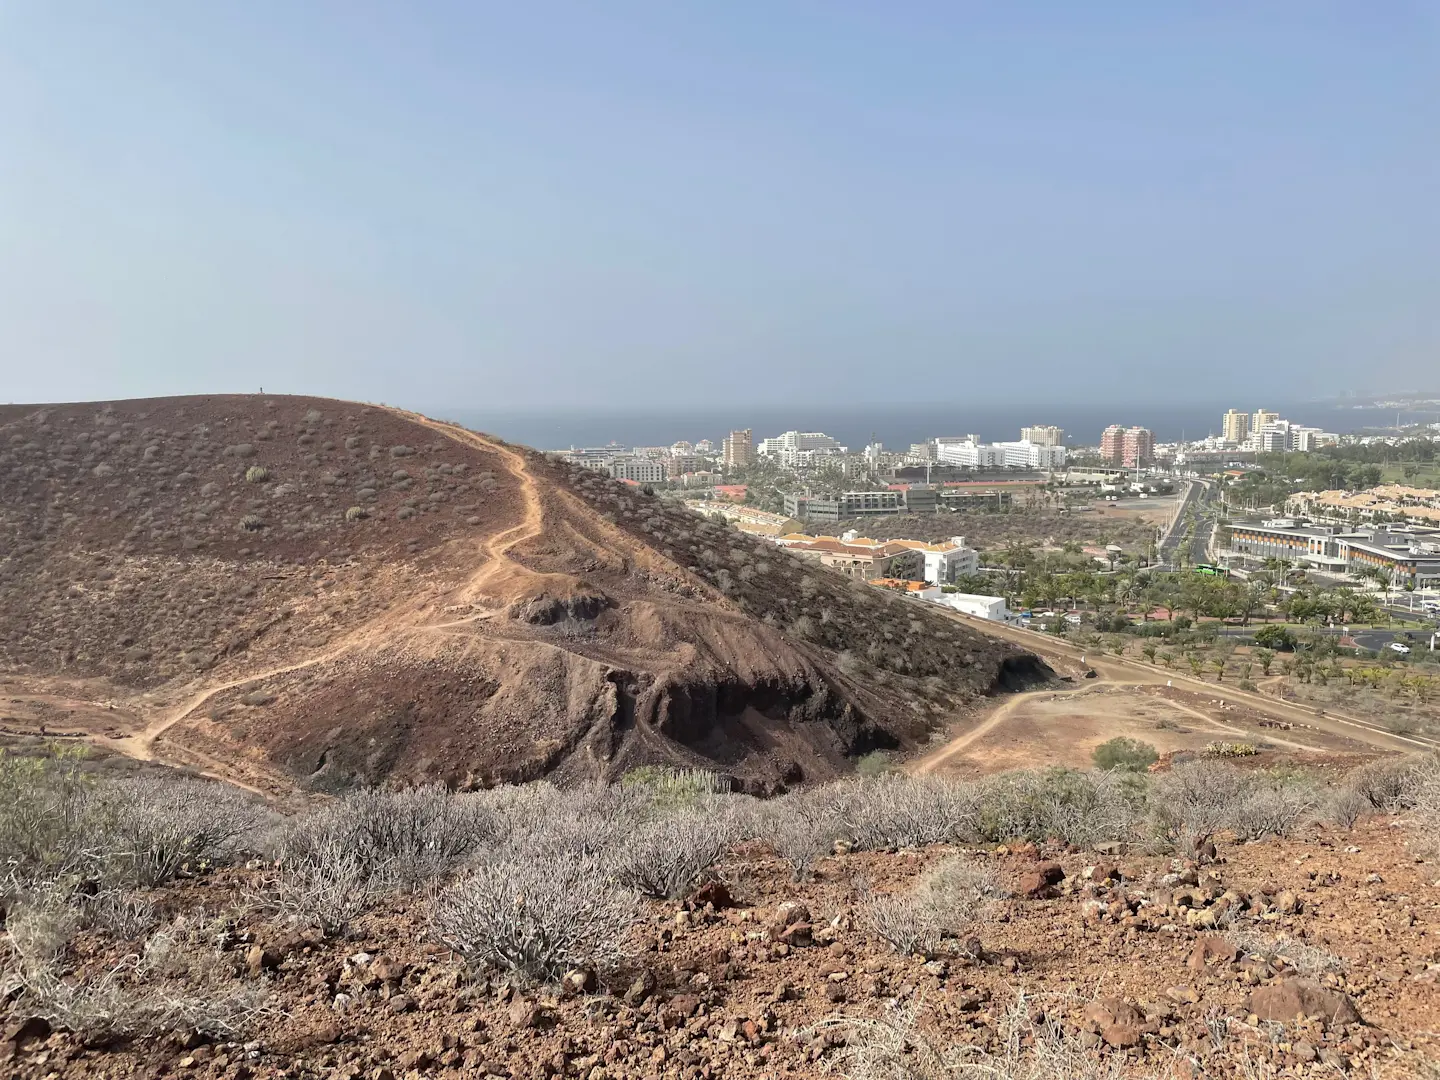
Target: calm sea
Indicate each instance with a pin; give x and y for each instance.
(896, 427)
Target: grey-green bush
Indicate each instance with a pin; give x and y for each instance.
(1124, 753)
(947, 905)
(154, 826)
(536, 918)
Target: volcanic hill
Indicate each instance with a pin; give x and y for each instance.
(300, 590)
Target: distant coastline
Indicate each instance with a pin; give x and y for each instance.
(897, 426)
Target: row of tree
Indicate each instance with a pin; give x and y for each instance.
(1041, 579)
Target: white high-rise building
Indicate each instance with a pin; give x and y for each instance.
(798, 440)
(1273, 437)
(1043, 435)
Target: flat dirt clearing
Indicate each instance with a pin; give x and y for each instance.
(1044, 728)
(1063, 726)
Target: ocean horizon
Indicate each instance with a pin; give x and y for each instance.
(897, 427)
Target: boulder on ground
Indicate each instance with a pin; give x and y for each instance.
(1290, 999)
(1040, 883)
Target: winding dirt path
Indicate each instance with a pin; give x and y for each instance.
(499, 574)
(141, 745)
(496, 567)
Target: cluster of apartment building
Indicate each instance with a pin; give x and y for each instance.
(919, 570)
(649, 464)
(1410, 554)
(801, 449)
(1267, 432)
(1127, 447)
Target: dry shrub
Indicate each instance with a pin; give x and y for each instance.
(1301, 956)
(948, 903)
(1392, 783)
(337, 862)
(1427, 814)
(403, 838)
(177, 982)
(1078, 808)
(894, 1047)
(669, 857)
(154, 826)
(1197, 799)
(327, 887)
(892, 812)
(536, 918)
(1273, 809)
(1345, 806)
(45, 819)
(802, 827)
(590, 820)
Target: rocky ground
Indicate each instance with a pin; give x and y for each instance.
(1314, 957)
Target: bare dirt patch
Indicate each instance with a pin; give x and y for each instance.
(1047, 728)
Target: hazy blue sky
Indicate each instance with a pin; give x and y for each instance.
(457, 202)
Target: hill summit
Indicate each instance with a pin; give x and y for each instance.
(328, 593)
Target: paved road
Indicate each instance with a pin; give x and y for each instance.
(1374, 640)
(1195, 490)
(1197, 497)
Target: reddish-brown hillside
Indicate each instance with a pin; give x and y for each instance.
(282, 587)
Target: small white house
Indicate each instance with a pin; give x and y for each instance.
(983, 607)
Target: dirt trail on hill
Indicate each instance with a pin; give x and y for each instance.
(1119, 674)
(141, 745)
(497, 566)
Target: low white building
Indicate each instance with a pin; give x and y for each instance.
(982, 607)
(969, 455)
(1030, 455)
(1002, 455)
(944, 562)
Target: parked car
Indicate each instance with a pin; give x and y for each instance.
(1399, 647)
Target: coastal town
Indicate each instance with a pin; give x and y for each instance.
(947, 519)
